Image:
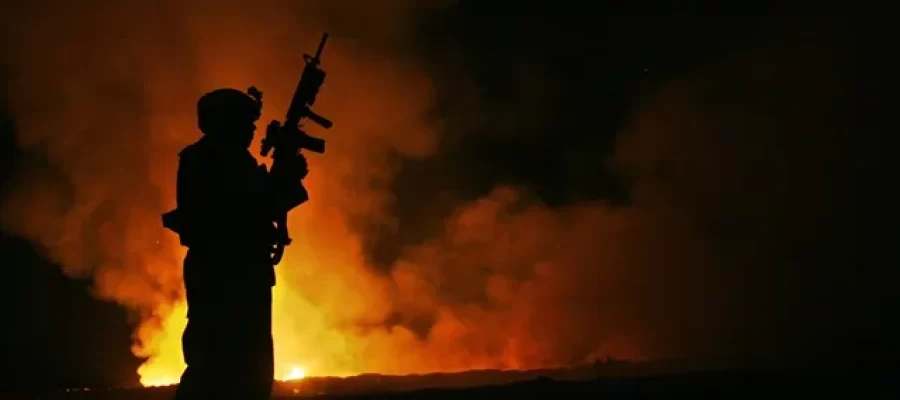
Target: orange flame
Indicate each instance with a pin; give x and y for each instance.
(494, 290)
(294, 374)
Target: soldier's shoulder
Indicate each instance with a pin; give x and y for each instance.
(196, 150)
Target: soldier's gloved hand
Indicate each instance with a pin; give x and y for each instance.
(299, 167)
(290, 170)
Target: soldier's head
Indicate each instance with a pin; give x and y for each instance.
(229, 115)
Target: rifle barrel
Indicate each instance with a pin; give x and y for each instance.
(321, 45)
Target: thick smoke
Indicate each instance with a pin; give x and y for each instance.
(752, 236)
(105, 93)
(740, 242)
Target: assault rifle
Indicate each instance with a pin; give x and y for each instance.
(288, 138)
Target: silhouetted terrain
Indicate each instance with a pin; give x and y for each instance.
(848, 381)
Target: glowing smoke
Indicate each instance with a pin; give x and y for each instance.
(696, 266)
(108, 94)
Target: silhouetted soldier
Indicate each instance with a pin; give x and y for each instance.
(226, 205)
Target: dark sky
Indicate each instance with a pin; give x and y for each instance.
(747, 156)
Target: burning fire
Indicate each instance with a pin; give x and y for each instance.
(501, 286)
(165, 364)
(296, 373)
(496, 282)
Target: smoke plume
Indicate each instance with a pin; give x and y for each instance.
(735, 245)
(105, 93)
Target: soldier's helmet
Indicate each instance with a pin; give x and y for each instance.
(223, 109)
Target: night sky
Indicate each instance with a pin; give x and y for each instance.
(743, 160)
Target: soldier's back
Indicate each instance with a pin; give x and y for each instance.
(229, 237)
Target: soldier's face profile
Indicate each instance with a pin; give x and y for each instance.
(245, 133)
(239, 134)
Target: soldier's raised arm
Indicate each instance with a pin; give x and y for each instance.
(285, 187)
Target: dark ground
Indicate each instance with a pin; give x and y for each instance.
(849, 381)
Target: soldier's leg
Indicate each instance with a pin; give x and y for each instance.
(227, 348)
(250, 360)
(194, 380)
(262, 346)
(198, 345)
(224, 373)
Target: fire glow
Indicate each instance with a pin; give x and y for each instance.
(165, 364)
(164, 368)
(500, 284)
(294, 374)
